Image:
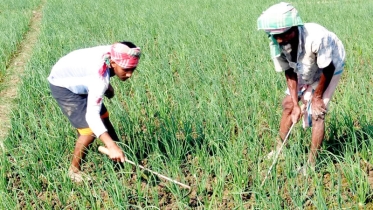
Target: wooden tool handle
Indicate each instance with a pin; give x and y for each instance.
(105, 151)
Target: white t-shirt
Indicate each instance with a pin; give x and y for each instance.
(78, 71)
(317, 48)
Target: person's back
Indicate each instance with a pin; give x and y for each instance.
(79, 70)
(321, 41)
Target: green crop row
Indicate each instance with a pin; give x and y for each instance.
(15, 17)
(203, 107)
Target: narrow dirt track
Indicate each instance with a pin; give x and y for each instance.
(15, 71)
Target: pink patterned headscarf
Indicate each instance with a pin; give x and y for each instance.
(122, 55)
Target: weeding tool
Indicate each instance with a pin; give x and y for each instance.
(105, 151)
(277, 154)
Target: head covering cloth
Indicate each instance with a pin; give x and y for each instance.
(277, 19)
(122, 55)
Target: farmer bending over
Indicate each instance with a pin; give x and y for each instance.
(313, 59)
(79, 81)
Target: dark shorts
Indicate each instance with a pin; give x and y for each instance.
(73, 106)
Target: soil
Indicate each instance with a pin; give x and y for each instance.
(196, 198)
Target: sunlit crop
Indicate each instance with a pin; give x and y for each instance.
(203, 107)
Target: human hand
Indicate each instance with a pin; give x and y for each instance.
(116, 154)
(295, 114)
(318, 108)
(109, 93)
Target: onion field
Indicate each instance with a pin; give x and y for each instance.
(203, 107)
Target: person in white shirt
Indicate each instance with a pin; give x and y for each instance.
(79, 81)
(312, 59)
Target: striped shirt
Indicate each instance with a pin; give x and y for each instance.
(317, 48)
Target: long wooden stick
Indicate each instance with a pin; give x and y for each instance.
(105, 151)
(277, 154)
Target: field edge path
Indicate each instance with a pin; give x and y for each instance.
(15, 71)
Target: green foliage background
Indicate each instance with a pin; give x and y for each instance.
(205, 100)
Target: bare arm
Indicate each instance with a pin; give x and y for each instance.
(325, 79)
(115, 153)
(318, 106)
(292, 83)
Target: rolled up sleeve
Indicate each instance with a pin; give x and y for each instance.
(324, 51)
